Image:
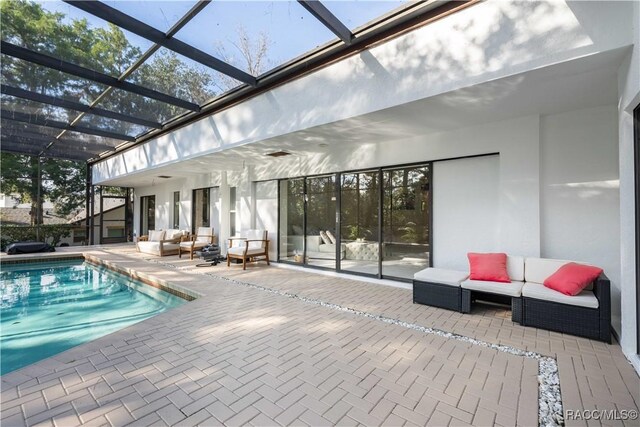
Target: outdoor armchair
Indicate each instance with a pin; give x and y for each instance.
(197, 242)
(253, 243)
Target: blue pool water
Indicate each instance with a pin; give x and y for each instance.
(46, 308)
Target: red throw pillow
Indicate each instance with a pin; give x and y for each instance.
(488, 267)
(572, 278)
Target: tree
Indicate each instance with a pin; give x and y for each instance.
(63, 182)
(249, 55)
(107, 50)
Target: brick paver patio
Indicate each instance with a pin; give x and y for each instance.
(239, 355)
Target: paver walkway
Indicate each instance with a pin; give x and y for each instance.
(238, 355)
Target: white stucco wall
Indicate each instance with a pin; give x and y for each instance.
(579, 189)
(163, 191)
(466, 210)
(484, 42)
(516, 140)
(266, 213)
(539, 197)
(629, 92)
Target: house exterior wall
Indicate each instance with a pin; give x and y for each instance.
(550, 178)
(579, 182)
(557, 174)
(629, 94)
(466, 208)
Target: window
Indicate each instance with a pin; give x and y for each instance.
(176, 210)
(115, 231)
(79, 235)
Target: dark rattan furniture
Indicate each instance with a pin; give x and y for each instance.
(438, 295)
(439, 288)
(594, 323)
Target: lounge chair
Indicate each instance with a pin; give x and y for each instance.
(197, 242)
(253, 243)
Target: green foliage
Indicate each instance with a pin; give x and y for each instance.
(104, 49)
(63, 181)
(51, 234)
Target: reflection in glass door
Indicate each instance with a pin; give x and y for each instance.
(147, 214)
(406, 221)
(291, 195)
(321, 222)
(359, 228)
(201, 209)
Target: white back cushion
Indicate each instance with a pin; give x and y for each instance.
(156, 235)
(515, 268)
(538, 269)
(204, 234)
(255, 235)
(172, 234)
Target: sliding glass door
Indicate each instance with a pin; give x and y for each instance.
(406, 221)
(201, 209)
(147, 214)
(321, 222)
(291, 213)
(375, 222)
(359, 227)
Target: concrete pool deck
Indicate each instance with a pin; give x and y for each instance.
(242, 354)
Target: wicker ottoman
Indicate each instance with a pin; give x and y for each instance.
(439, 288)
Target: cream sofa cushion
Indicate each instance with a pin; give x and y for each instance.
(541, 292)
(172, 233)
(538, 269)
(442, 276)
(154, 247)
(237, 250)
(156, 235)
(515, 268)
(513, 289)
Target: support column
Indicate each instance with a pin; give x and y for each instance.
(101, 214)
(90, 215)
(88, 204)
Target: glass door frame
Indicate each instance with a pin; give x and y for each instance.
(636, 156)
(193, 208)
(145, 207)
(304, 262)
(378, 174)
(338, 189)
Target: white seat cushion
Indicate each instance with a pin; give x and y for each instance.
(513, 289)
(440, 275)
(330, 248)
(541, 292)
(154, 247)
(195, 244)
(170, 246)
(240, 250)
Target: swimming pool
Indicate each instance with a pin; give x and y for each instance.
(47, 308)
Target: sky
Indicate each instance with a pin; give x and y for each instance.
(292, 31)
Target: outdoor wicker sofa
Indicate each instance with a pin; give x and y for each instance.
(587, 314)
